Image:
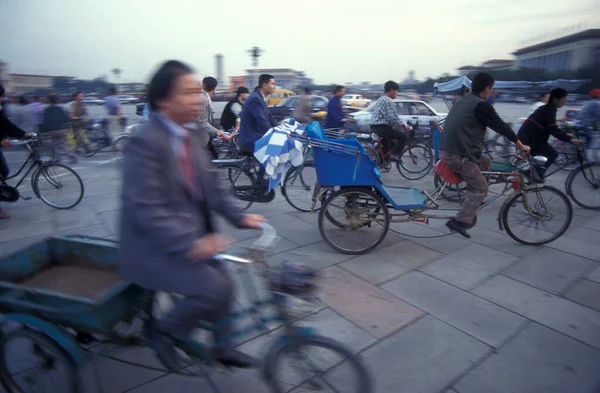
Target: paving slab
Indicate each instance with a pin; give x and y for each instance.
(391, 262)
(425, 357)
(78, 217)
(30, 230)
(499, 240)
(584, 234)
(595, 275)
(371, 308)
(537, 360)
(477, 317)
(586, 293)
(550, 270)
(557, 313)
(577, 247)
(470, 266)
(318, 255)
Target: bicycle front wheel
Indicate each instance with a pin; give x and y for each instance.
(316, 363)
(58, 186)
(299, 187)
(537, 215)
(583, 186)
(416, 162)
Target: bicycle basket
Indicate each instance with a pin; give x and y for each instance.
(8, 194)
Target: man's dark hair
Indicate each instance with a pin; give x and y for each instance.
(390, 85)
(76, 94)
(53, 99)
(242, 90)
(2, 91)
(163, 81)
(481, 81)
(557, 94)
(306, 90)
(23, 100)
(112, 90)
(209, 83)
(264, 79)
(338, 89)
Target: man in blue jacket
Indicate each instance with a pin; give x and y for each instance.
(256, 119)
(335, 115)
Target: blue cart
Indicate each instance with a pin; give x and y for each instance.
(357, 207)
(61, 294)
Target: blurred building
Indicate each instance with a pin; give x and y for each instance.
(237, 81)
(467, 70)
(567, 53)
(499, 64)
(410, 79)
(286, 78)
(17, 84)
(489, 65)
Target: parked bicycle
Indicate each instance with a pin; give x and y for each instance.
(48, 180)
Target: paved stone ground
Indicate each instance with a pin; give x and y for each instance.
(427, 315)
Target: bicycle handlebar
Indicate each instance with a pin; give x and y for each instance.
(23, 142)
(263, 243)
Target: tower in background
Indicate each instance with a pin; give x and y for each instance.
(219, 66)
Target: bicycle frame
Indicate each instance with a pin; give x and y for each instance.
(35, 163)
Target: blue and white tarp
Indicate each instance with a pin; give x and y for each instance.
(276, 152)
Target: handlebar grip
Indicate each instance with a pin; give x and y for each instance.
(267, 238)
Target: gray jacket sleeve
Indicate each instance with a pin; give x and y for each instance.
(203, 123)
(223, 201)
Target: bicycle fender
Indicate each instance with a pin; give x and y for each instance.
(64, 340)
(276, 347)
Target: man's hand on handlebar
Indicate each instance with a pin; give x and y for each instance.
(523, 147)
(253, 221)
(5, 143)
(206, 247)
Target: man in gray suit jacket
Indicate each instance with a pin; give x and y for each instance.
(168, 238)
(205, 116)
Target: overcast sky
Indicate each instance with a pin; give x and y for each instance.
(334, 41)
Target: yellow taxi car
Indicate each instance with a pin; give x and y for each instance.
(278, 96)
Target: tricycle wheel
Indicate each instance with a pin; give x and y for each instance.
(32, 362)
(354, 220)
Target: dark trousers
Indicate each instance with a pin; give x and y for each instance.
(477, 187)
(548, 152)
(4, 170)
(212, 304)
(388, 133)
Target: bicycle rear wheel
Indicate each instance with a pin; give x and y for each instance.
(537, 215)
(583, 186)
(416, 163)
(354, 220)
(58, 186)
(315, 363)
(298, 188)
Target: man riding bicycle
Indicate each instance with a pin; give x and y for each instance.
(386, 123)
(462, 147)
